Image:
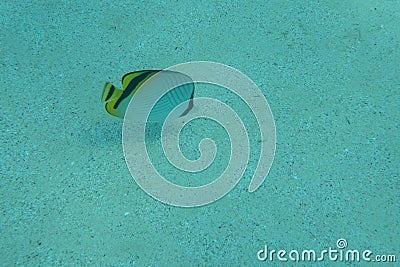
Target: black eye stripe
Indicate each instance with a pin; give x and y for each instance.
(110, 93)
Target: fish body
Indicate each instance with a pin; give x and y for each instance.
(117, 100)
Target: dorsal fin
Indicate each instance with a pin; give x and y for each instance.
(140, 76)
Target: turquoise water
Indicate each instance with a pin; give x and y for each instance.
(330, 73)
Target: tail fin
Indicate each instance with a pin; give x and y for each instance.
(110, 92)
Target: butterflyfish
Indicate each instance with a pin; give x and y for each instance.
(117, 100)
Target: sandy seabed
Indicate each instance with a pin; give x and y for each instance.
(328, 70)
